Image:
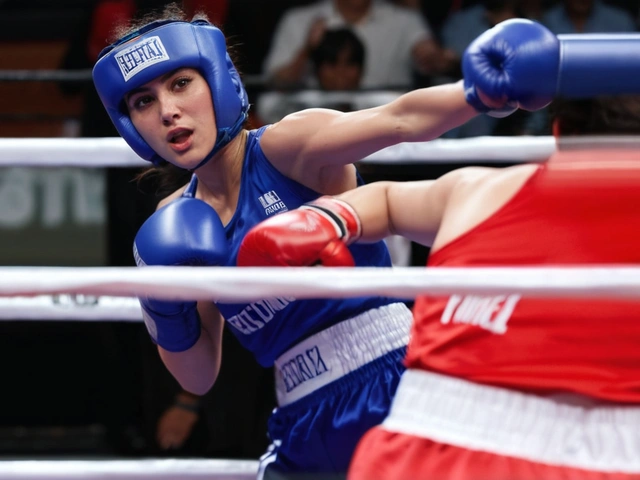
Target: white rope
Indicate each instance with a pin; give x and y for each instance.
(151, 469)
(114, 152)
(253, 284)
(68, 152)
(70, 307)
(476, 149)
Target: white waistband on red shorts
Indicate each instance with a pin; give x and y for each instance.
(340, 349)
(505, 422)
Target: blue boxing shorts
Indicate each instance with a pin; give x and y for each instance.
(333, 387)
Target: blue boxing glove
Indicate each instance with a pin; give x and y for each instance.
(187, 231)
(521, 64)
(515, 63)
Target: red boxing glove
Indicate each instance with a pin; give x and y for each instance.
(316, 233)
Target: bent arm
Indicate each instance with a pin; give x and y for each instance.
(197, 368)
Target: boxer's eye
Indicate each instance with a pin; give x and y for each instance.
(142, 101)
(181, 82)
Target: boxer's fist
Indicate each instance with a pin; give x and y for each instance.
(185, 232)
(315, 233)
(512, 65)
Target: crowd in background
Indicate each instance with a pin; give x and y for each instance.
(357, 45)
(341, 54)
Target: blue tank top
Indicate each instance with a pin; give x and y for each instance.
(271, 326)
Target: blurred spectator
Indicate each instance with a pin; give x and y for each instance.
(249, 29)
(465, 25)
(434, 12)
(339, 60)
(338, 63)
(587, 16)
(398, 39)
(578, 16)
(458, 31)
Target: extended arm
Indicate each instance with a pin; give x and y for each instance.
(516, 64)
(442, 208)
(320, 231)
(499, 72)
(318, 137)
(412, 209)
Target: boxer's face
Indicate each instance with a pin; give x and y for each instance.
(174, 114)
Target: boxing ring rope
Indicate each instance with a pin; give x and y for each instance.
(67, 304)
(100, 152)
(108, 293)
(250, 284)
(70, 307)
(158, 469)
(84, 76)
(114, 152)
(105, 293)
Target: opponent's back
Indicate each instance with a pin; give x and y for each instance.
(579, 208)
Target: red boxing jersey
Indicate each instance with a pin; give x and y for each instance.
(580, 208)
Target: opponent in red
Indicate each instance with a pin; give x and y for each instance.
(507, 387)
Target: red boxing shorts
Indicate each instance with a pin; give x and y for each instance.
(446, 428)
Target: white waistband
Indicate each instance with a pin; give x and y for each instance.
(340, 349)
(540, 429)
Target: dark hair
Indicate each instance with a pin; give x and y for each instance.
(617, 115)
(336, 41)
(171, 11)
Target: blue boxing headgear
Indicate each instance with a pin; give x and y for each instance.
(159, 48)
